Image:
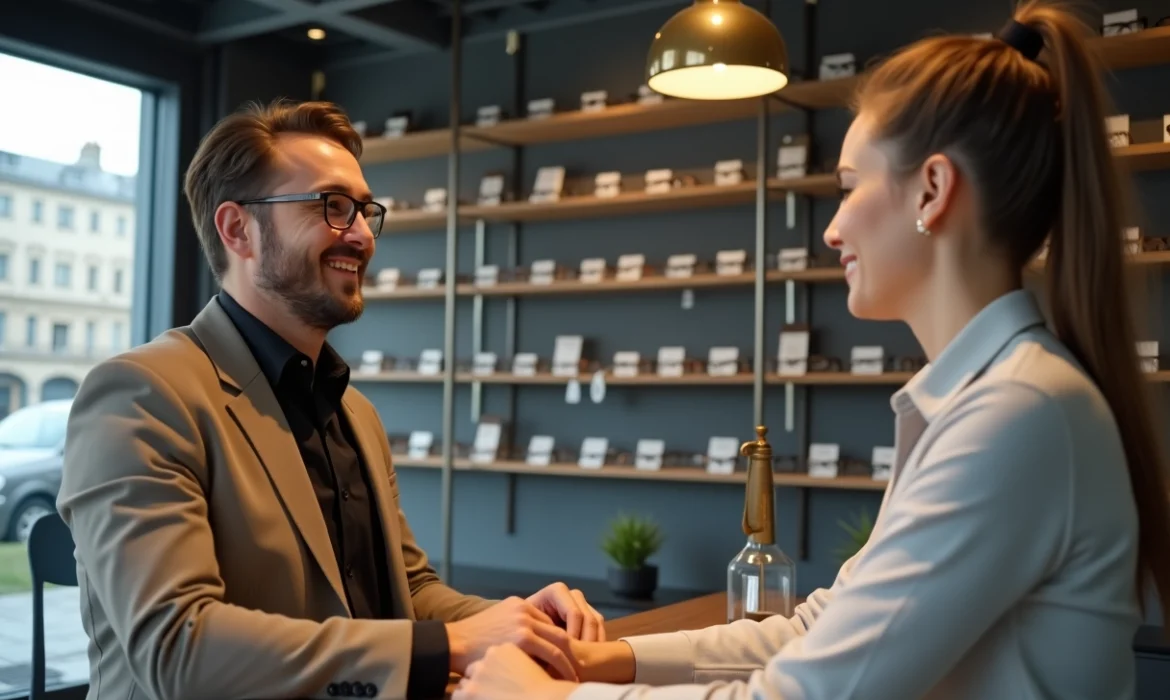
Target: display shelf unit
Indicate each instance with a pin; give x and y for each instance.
(678, 474)
(803, 97)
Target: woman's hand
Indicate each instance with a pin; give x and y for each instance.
(603, 662)
(506, 673)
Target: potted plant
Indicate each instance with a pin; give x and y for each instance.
(629, 543)
(858, 534)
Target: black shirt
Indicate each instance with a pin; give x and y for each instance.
(310, 397)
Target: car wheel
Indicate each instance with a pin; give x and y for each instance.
(26, 514)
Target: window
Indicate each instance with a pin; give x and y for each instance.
(60, 337)
(38, 211)
(121, 225)
(3, 267)
(64, 217)
(5, 206)
(118, 275)
(63, 275)
(34, 271)
(31, 340)
(95, 221)
(90, 336)
(92, 278)
(117, 339)
(3, 328)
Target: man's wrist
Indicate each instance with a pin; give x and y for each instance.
(457, 647)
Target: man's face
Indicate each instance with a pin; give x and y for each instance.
(303, 261)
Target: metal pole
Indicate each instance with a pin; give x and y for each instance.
(761, 256)
(449, 288)
(477, 320)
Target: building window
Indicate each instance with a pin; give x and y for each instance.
(117, 340)
(118, 275)
(5, 206)
(31, 339)
(34, 271)
(90, 333)
(3, 329)
(64, 217)
(3, 267)
(95, 222)
(38, 211)
(63, 275)
(92, 279)
(60, 337)
(121, 225)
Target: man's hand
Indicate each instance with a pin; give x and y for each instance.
(506, 673)
(568, 607)
(514, 621)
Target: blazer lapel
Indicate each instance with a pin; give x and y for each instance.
(260, 417)
(367, 444)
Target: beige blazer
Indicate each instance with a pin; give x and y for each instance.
(204, 564)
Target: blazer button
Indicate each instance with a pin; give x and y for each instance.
(371, 690)
(332, 690)
(346, 690)
(359, 690)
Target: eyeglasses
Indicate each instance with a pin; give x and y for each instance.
(339, 209)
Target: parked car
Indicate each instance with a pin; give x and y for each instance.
(32, 448)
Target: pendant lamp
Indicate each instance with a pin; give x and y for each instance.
(717, 50)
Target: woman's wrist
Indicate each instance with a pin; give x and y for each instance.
(606, 662)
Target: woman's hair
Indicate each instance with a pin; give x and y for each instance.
(1030, 136)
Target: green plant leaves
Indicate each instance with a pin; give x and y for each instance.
(631, 541)
(858, 535)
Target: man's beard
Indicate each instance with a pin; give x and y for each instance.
(298, 282)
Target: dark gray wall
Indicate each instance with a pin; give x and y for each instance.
(560, 521)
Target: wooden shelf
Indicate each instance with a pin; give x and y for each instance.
(676, 474)
(413, 220)
(643, 380)
(395, 377)
(1140, 157)
(418, 144)
(1150, 47)
(403, 293)
(841, 378)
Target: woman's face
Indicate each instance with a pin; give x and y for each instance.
(886, 260)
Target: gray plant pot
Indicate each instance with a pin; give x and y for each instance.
(634, 583)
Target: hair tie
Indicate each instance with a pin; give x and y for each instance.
(1023, 38)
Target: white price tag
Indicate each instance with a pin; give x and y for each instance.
(867, 359)
(387, 279)
(1132, 236)
(682, 265)
(792, 159)
(487, 275)
(625, 363)
(542, 272)
(659, 181)
(670, 361)
(541, 109)
(435, 199)
(722, 454)
(883, 463)
(1147, 351)
(487, 442)
(487, 116)
(592, 270)
(540, 449)
(728, 172)
(838, 65)
(730, 262)
(648, 454)
(567, 355)
(483, 364)
(429, 278)
(793, 259)
(608, 184)
(419, 445)
(723, 362)
(371, 362)
(430, 362)
(594, 101)
(823, 460)
(629, 267)
(593, 450)
(524, 364)
(1117, 129)
(793, 357)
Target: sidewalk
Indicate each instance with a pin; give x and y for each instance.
(65, 640)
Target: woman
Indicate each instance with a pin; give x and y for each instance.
(1027, 509)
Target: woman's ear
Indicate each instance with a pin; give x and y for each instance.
(938, 178)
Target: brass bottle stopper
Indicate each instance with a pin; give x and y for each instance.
(759, 515)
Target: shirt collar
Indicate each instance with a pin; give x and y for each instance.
(968, 354)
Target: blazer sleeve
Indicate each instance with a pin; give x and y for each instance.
(133, 494)
(1000, 467)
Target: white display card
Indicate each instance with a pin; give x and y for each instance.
(838, 65)
(430, 362)
(524, 364)
(625, 363)
(1117, 23)
(729, 172)
(540, 449)
(647, 96)
(429, 278)
(659, 181)
(487, 275)
(491, 190)
(730, 262)
(542, 272)
(1117, 129)
(484, 363)
(550, 182)
(419, 444)
(593, 450)
(629, 267)
(648, 454)
(371, 362)
(487, 442)
(592, 270)
(793, 259)
(573, 391)
(793, 355)
(792, 159)
(1147, 351)
(670, 361)
(681, 265)
(567, 355)
(435, 199)
(1132, 237)
(387, 279)
(594, 101)
(607, 184)
(542, 108)
(597, 387)
(722, 454)
(883, 463)
(723, 362)
(396, 127)
(488, 115)
(823, 460)
(867, 359)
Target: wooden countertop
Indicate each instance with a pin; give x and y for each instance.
(689, 615)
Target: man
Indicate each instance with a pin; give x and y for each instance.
(233, 503)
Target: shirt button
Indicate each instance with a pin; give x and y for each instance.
(349, 571)
(345, 495)
(333, 690)
(304, 363)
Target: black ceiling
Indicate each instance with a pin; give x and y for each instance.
(359, 30)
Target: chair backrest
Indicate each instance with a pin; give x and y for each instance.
(50, 560)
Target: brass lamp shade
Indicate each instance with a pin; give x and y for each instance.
(717, 50)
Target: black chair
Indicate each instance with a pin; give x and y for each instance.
(50, 560)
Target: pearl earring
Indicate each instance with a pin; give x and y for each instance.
(922, 228)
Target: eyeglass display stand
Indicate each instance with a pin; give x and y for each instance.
(761, 579)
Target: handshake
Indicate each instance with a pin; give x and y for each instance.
(551, 641)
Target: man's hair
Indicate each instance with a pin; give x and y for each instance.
(234, 160)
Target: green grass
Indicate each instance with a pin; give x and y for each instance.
(14, 576)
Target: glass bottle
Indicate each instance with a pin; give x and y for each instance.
(761, 579)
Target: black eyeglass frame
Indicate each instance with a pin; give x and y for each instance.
(358, 205)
